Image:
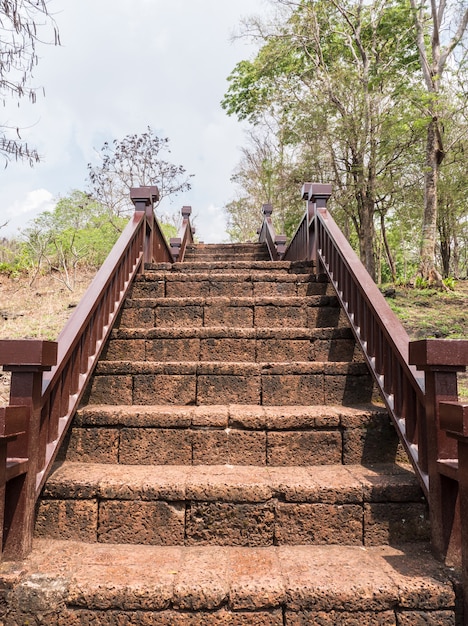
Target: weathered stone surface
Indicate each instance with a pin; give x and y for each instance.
(341, 618)
(227, 350)
(304, 447)
(178, 315)
(150, 446)
(318, 524)
(119, 349)
(67, 519)
(395, 523)
(226, 523)
(115, 388)
(172, 349)
(99, 445)
(213, 389)
(222, 313)
(426, 618)
(152, 523)
(292, 389)
(217, 447)
(171, 618)
(164, 389)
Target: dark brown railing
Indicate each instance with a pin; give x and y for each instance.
(48, 379)
(276, 244)
(432, 424)
(184, 236)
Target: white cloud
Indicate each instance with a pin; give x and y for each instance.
(123, 66)
(26, 208)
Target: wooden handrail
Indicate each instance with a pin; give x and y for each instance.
(266, 234)
(48, 379)
(184, 236)
(431, 423)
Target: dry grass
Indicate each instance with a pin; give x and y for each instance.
(37, 311)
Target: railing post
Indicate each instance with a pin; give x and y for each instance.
(176, 243)
(454, 420)
(317, 195)
(27, 360)
(143, 199)
(440, 360)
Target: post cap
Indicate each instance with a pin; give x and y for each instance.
(434, 352)
(306, 187)
(148, 195)
(186, 211)
(267, 210)
(453, 418)
(320, 190)
(28, 352)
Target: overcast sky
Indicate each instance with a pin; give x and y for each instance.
(124, 65)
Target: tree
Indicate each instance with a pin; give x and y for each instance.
(338, 77)
(76, 232)
(135, 161)
(448, 24)
(268, 173)
(20, 26)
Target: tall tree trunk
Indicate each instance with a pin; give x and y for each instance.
(434, 157)
(367, 236)
(391, 262)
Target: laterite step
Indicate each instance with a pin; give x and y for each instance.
(205, 343)
(80, 583)
(234, 434)
(198, 382)
(233, 505)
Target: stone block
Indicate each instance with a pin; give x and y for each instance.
(210, 447)
(136, 522)
(177, 316)
(155, 446)
(225, 314)
(164, 389)
(427, 618)
(98, 445)
(395, 523)
(187, 288)
(172, 349)
(298, 523)
(228, 523)
(292, 389)
(348, 389)
(304, 447)
(241, 287)
(341, 618)
(116, 389)
(137, 317)
(224, 349)
(67, 519)
(271, 316)
(278, 350)
(121, 349)
(148, 289)
(274, 288)
(216, 389)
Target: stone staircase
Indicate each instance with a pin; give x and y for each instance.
(229, 468)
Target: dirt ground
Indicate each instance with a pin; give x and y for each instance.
(37, 311)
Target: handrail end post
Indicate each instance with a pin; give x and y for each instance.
(27, 360)
(441, 359)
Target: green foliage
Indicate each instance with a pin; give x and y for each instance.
(450, 282)
(421, 283)
(77, 232)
